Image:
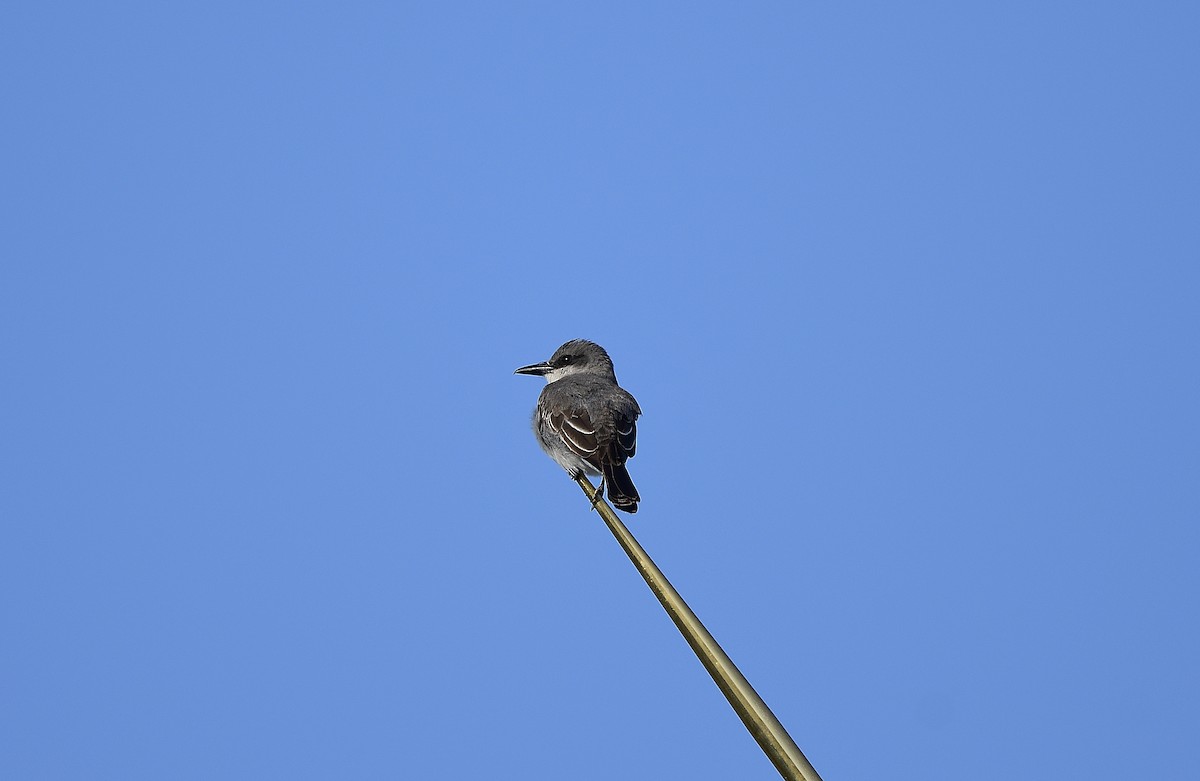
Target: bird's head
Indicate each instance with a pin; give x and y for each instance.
(577, 356)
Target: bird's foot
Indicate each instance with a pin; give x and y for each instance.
(598, 495)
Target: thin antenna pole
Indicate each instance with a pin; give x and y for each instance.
(776, 743)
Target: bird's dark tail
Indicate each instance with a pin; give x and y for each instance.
(621, 491)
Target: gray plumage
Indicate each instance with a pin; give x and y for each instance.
(584, 420)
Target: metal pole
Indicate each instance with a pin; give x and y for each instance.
(776, 743)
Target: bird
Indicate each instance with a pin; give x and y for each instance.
(585, 421)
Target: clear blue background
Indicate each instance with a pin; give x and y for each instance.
(908, 292)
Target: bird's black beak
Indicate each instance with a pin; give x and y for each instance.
(536, 369)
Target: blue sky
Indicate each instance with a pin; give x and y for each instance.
(907, 293)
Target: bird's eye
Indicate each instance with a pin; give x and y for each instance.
(563, 361)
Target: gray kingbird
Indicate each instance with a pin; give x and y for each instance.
(584, 420)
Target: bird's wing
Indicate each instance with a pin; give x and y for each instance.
(577, 431)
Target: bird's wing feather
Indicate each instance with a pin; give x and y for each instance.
(577, 431)
(626, 438)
